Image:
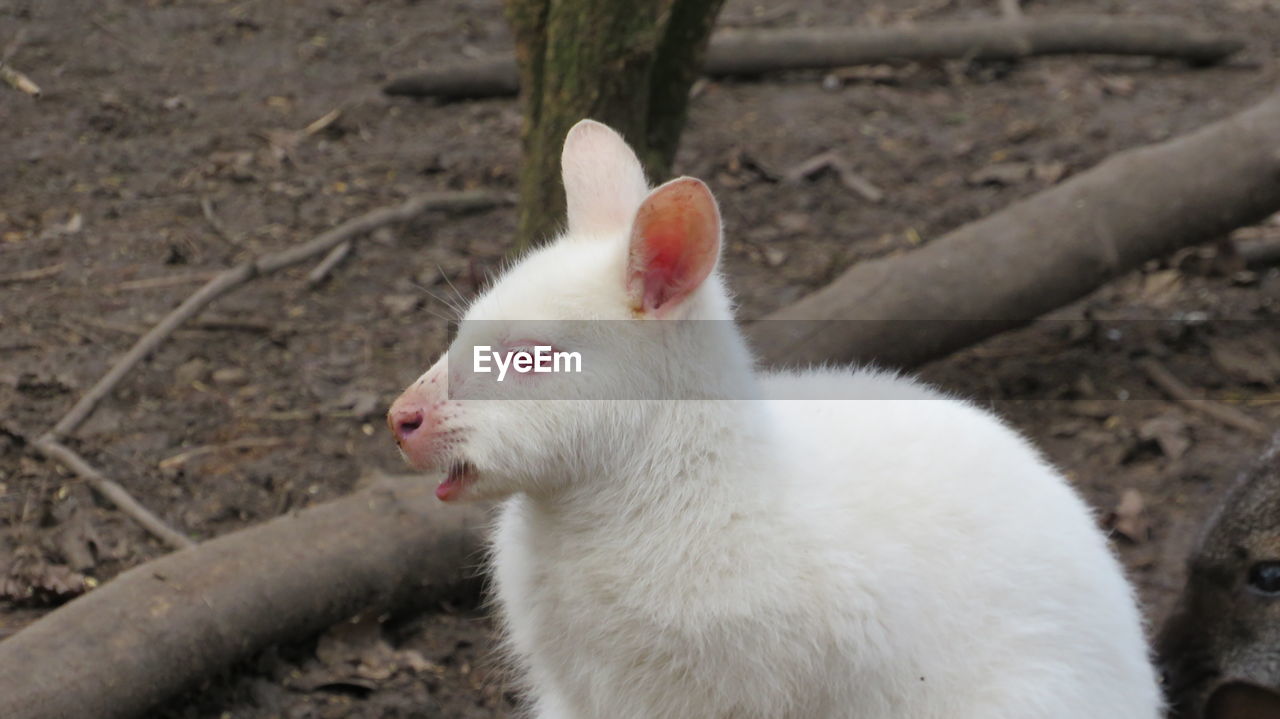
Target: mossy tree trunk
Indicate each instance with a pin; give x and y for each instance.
(626, 63)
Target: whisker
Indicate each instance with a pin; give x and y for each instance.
(449, 282)
(457, 311)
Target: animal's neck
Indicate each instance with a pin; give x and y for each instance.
(699, 460)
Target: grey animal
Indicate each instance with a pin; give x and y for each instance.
(1220, 649)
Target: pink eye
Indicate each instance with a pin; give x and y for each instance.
(527, 345)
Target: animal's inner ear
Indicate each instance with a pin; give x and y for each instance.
(603, 180)
(675, 242)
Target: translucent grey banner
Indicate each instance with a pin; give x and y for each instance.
(1226, 360)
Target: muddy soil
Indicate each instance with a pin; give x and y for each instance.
(154, 110)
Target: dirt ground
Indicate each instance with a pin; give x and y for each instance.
(152, 107)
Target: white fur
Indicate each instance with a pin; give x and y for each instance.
(902, 556)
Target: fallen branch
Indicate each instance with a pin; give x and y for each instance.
(754, 52)
(1040, 253)
(114, 493)
(1161, 377)
(160, 627)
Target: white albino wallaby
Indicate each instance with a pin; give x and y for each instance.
(905, 555)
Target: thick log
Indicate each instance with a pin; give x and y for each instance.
(759, 51)
(1040, 253)
(754, 52)
(164, 625)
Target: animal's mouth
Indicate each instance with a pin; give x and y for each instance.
(460, 475)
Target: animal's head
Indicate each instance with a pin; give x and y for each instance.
(624, 289)
(1221, 648)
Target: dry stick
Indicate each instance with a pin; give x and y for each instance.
(1161, 377)
(18, 81)
(1011, 9)
(327, 265)
(753, 52)
(844, 170)
(113, 492)
(1040, 253)
(12, 76)
(185, 456)
(49, 443)
(206, 209)
(152, 283)
(323, 121)
(31, 275)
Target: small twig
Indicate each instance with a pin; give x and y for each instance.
(809, 167)
(858, 183)
(151, 283)
(11, 76)
(1161, 377)
(206, 208)
(114, 493)
(324, 121)
(31, 275)
(18, 81)
(182, 458)
(229, 279)
(835, 161)
(1011, 9)
(126, 46)
(330, 261)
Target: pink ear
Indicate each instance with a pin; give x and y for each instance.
(675, 241)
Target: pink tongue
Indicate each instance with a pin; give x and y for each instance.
(449, 488)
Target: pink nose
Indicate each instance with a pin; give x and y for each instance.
(404, 419)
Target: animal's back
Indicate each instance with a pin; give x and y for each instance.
(976, 553)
